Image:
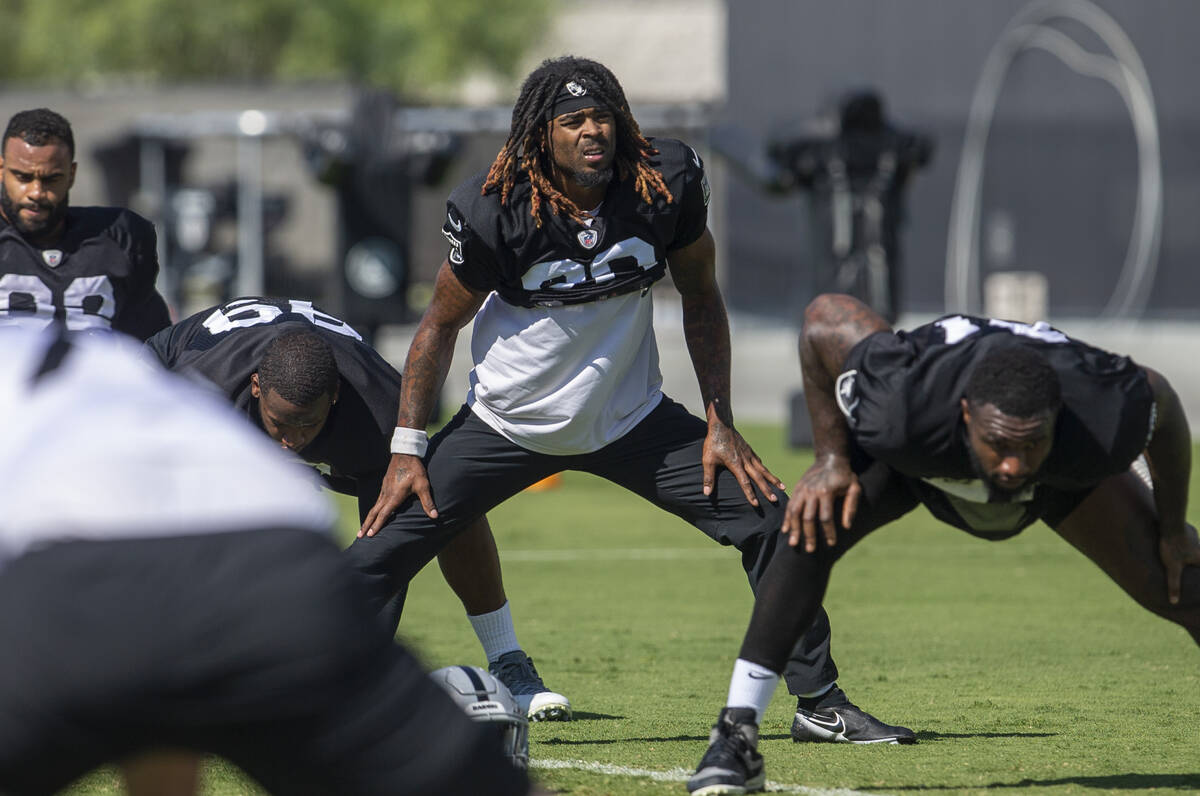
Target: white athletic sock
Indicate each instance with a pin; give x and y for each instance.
(751, 687)
(495, 632)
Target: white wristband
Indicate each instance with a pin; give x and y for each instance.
(413, 441)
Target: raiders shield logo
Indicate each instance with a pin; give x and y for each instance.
(52, 257)
(588, 238)
(846, 394)
(576, 89)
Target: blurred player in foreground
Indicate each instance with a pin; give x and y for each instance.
(310, 382)
(991, 425)
(167, 581)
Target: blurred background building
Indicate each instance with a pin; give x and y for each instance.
(1051, 172)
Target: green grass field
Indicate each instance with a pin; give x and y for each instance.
(1019, 664)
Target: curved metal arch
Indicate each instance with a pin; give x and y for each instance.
(1030, 29)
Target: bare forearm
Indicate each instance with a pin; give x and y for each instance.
(833, 325)
(425, 372)
(706, 330)
(452, 307)
(831, 435)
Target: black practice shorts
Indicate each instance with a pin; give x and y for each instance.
(472, 469)
(255, 646)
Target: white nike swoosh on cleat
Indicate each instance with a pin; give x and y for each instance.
(836, 727)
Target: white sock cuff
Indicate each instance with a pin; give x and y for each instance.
(495, 632)
(751, 686)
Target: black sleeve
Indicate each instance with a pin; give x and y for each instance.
(470, 257)
(145, 311)
(172, 344)
(874, 393)
(693, 204)
(160, 346)
(1108, 410)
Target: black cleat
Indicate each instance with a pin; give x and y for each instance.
(515, 670)
(732, 764)
(831, 717)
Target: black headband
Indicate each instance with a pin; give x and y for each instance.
(573, 96)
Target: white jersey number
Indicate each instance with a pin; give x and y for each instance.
(958, 328)
(252, 312)
(564, 274)
(88, 302)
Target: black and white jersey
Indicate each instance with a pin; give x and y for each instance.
(564, 350)
(501, 248)
(99, 445)
(224, 345)
(100, 275)
(901, 396)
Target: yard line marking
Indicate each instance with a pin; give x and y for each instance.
(628, 554)
(681, 775)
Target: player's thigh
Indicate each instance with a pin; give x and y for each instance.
(885, 498)
(661, 460)
(1116, 526)
(471, 470)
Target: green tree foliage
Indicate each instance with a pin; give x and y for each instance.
(412, 46)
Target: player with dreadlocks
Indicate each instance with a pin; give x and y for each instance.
(553, 253)
(524, 153)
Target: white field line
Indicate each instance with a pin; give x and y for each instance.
(680, 775)
(611, 554)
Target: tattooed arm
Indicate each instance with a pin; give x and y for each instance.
(452, 307)
(706, 329)
(833, 324)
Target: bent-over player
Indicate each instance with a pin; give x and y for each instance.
(311, 383)
(991, 425)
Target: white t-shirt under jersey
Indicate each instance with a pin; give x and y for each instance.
(565, 380)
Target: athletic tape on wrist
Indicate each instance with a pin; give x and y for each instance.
(413, 441)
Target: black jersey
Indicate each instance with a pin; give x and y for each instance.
(501, 248)
(225, 344)
(99, 275)
(901, 396)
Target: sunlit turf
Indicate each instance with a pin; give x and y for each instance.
(1019, 664)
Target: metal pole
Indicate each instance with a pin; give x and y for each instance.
(250, 274)
(152, 164)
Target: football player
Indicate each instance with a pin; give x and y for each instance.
(311, 383)
(554, 251)
(86, 267)
(991, 425)
(168, 581)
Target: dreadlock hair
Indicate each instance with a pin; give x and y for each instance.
(527, 147)
(39, 127)
(1016, 379)
(300, 367)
